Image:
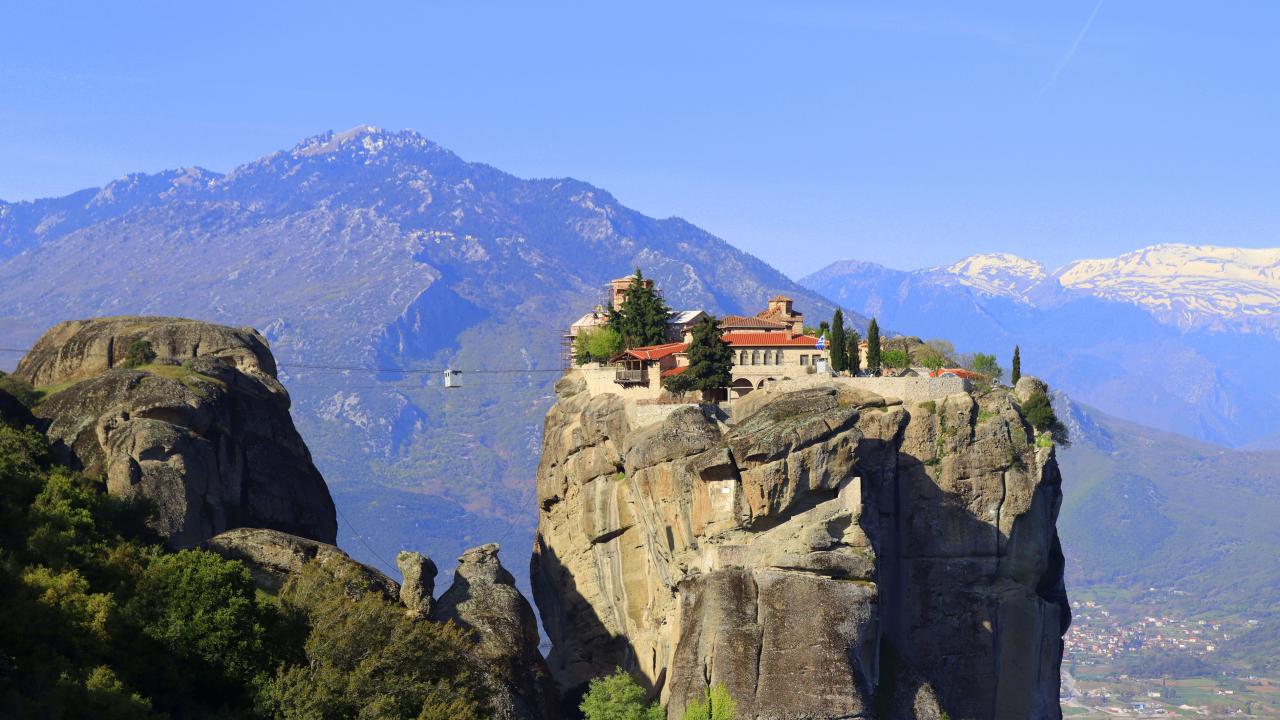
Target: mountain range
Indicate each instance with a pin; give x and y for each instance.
(373, 260)
(1176, 337)
(382, 250)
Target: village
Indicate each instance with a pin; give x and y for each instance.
(770, 349)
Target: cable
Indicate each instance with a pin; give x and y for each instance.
(385, 564)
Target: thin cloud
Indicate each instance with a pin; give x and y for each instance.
(1071, 51)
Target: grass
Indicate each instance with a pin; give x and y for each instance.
(985, 415)
(1044, 440)
(183, 374)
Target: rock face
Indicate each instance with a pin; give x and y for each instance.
(419, 575)
(273, 556)
(484, 598)
(203, 431)
(828, 553)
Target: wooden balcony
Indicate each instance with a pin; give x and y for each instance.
(631, 376)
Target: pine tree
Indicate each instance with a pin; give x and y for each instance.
(839, 361)
(642, 318)
(851, 353)
(873, 347)
(1015, 374)
(710, 361)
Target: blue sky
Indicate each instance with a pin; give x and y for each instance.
(804, 132)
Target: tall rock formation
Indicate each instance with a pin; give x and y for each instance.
(826, 553)
(202, 430)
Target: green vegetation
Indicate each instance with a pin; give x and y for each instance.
(1015, 373)
(984, 364)
(642, 318)
(596, 345)
(851, 352)
(20, 389)
(716, 706)
(896, 359)
(710, 361)
(839, 358)
(1039, 412)
(873, 347)
(100, 621)
(618, 697)
(139, 353)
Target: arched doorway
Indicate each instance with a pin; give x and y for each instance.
(740, 387)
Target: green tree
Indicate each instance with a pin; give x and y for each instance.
(873, 347)
(710, 361)
(618, 697)
(717, 705)
(1038, 411)
(931, 359)
(19, 388)
(851, 352)
(642, 317)
(985, 364)
(836, 343)
(140, 352)
(1015, 373)
(895, 359)
(596, 345)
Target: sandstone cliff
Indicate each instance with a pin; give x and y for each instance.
(203, 431)
(826, 553)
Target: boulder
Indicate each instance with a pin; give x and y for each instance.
(208, 441)
(273, 557)
(418, 582)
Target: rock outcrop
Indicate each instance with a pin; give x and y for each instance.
(419, 582)
(826, 553)
(273, 557)
(202, 431)
(483, 598)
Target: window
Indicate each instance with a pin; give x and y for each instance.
(742, 358)
(755, 357)
(804, 359)
(777, 357)
(768, 358)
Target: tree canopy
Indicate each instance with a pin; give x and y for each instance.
(642, 317)
(618, 697)
(710, 361)
(873, 347)
(1015, 372)
(596, 345)
(839, 356)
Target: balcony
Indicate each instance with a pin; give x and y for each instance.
(631, 376)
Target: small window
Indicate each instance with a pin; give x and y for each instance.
(804, 359)
(742, 358)
(777, 358)
(755, 357)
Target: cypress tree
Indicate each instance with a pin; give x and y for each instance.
(1016, 373)
(836, 342)
(851, 353)
(642, 318)
(873, 347)
(710, 361)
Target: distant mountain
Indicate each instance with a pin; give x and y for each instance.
(1145, 508)
(1174, 337)
(378, 249)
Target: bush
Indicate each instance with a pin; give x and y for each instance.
(984, 364)
(19, 389)
(618, 697)
(1038, 411)
(140, 352)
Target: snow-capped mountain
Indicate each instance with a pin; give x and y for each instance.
(1176, 337)
(1188, 285)
(998, 273)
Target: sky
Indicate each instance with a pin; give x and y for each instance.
(910, 134)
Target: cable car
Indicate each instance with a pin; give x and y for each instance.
(451, 379)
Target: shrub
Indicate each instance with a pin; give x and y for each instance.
(896, 359)
(19, 389)
(1039, 413)
(618, 697)
(140, 352)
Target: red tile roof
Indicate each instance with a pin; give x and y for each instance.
(729, 322)
(958, 372)
(656, 352)
(674, 371)
(767, 339)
